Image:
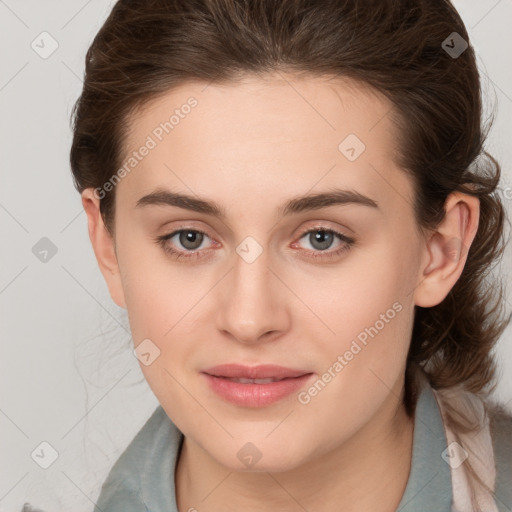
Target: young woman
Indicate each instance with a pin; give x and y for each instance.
(293, 203)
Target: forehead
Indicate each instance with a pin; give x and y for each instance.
(258, 108)
(265, 134)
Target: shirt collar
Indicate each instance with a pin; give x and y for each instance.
(429, 486)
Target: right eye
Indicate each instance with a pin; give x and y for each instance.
(190, 239)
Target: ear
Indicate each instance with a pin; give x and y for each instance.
(447, 249)
(104, 246)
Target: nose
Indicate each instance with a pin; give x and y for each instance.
(253, 302)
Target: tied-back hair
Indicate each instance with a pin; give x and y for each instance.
(395, 47)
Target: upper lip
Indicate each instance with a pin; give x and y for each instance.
(263, 371)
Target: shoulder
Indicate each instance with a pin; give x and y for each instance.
(145, 458)
(155, 431)
(125, 488)
(500, 424)
(484, 428)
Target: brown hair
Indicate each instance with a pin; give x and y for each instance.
(147, 47)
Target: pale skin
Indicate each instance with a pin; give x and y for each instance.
(250, 147)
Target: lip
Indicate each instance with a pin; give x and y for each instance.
(254, 394)
(262, 371)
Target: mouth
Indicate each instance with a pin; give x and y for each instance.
(256, 386)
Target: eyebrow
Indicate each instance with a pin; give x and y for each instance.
(296, 205)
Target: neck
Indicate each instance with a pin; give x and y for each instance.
(368, 472)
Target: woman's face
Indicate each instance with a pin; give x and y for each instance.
(321, 286)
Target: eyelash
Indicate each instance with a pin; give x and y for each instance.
(348, 243)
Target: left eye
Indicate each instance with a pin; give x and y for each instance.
(322, 238)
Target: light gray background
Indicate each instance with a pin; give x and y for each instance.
(68, 376)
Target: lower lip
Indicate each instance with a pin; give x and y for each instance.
(255, 395)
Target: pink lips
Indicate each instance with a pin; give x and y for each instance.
(254, 394)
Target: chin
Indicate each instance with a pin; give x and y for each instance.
(259, 457)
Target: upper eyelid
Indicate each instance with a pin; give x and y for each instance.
(303, 232)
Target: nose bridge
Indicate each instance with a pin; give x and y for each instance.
(252, 303)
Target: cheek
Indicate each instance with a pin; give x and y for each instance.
(368, 307)
(164, 306)
(154, 289)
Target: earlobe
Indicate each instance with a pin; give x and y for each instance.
(447, 248)
(103, 246)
